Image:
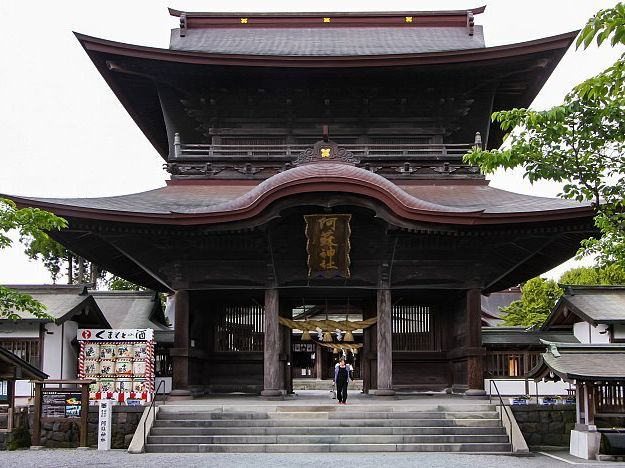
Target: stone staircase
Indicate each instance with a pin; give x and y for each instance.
(314, 384)
(357, 428)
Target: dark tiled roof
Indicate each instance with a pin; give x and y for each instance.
(519, 336)
(585, 362)
(593, 304)
(131, 309)
(361, 41)
(599, 306)
(492, 304)
(589, 365)
(208, 199)
(601, 365)
(61, 302)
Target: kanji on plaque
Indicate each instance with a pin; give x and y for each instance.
(328, 245)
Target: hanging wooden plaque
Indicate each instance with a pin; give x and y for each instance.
(328, 245)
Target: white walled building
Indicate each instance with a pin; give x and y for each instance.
(595, 314)
(50, 344)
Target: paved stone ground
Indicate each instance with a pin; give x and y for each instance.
(120, 458)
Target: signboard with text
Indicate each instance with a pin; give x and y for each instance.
(61, 405)
(116, 334)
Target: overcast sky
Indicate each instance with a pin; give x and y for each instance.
(64, 134)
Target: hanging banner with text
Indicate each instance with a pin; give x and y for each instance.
(328, 245)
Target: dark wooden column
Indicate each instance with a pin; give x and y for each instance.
(385, 343)
(180, 351)
(367, 354)
(474, 350)
(318, 361)
(271, 361)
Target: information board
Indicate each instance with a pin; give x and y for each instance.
(61, 405)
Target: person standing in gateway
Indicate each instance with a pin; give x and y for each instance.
(343, 372)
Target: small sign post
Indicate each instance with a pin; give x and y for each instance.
(105, 416)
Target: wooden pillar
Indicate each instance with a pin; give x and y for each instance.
(318, 362)
(366, 353)
(474, 351)
(385, 343)
(36, 434)
(84, 414)
(286, 371)
(180, 351)
(590, 403)
(579, 404)
(271, 361)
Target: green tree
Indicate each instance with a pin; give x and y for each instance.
(29, 223)
(115, 283)
(538, 297)
(610, 275)
(580, 143)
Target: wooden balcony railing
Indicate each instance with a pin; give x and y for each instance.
(511, 364)
(287, 152)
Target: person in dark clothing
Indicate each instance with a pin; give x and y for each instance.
(343, 372)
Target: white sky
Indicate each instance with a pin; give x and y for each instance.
(64, 134)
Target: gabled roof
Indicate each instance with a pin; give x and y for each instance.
(63, 302)
(593, 304)
(133, 309)
(22, 369)
(581, 362)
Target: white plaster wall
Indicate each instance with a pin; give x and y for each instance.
(59, 358)
(20, 329)
(52, 350)
(586, 333)
(513, 387)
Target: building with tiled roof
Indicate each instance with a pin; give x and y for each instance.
(316, 159)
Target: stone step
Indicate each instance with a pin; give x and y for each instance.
(315, 384)
(183, 431)
(327, 439)
(410, 415)
(309, 448)
(329, 415)
(201, 415)
(482, 422)
(180, 407)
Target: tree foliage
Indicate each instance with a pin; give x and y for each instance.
(580, 143)
(53, 255)
(29, 223)
(610, 275)
(115, 283)
(538, 297)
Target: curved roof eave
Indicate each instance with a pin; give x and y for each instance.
(559, 42)
(316, 178)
